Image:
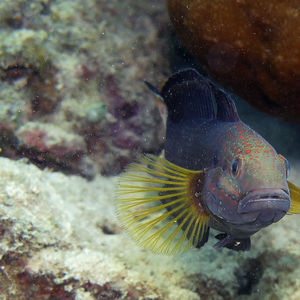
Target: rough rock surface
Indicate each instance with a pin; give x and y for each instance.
(59, 239)
(74, 71)
(251, 47)
(72, 99)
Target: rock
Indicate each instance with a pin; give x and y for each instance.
(60, 239)
(252, 48)
(85, 75)
(49, 145)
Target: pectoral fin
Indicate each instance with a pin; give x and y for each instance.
(228, 241)
(295, 199)
(159, 203)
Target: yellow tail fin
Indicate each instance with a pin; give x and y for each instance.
(158, 203)
(295, 199)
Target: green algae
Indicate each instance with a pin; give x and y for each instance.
(96, 112)
(25, 47)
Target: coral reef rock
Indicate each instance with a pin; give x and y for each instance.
(79, 66)
(251, 47)
(60, 239)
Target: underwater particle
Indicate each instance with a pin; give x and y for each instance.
(240, 42)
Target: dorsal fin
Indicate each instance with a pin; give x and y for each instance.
(226, 109)
(188, 95)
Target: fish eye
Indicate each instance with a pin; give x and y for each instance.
(235, 167)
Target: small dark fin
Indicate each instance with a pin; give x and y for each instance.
(156, 204)
(228, 241)
(188, 95)
(153, 89)
(295, 199)
(226, 109)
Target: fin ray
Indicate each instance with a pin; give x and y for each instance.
(158, 173)
(155, 205)
(165, 165)
(188, 95)
(226, 109)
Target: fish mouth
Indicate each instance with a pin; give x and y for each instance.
(270, 204)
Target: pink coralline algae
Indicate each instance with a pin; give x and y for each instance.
(51, 151)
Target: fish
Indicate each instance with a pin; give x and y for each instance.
(215, 172)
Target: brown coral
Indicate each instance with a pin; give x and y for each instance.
(251, 47)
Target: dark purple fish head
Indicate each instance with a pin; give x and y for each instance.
(247, 189)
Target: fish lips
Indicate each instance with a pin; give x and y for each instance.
(270, 204)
